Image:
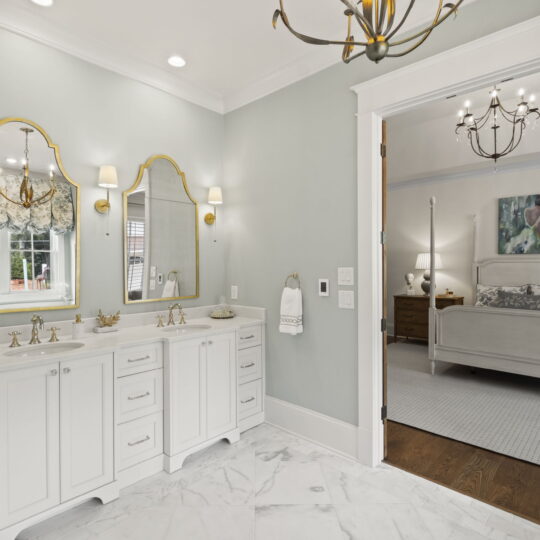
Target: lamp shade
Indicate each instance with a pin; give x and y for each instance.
(215, 196)
(424, 259)
(108, 177)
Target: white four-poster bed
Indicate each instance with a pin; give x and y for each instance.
(500, 339)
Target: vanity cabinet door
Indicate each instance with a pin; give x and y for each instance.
(29, 442)
(221, 384)
(184, 393)
(86, 425)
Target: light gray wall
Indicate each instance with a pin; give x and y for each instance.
(291, 200)
(97, 118)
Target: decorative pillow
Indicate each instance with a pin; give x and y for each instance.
(533, 289)
(488, 295)
(511, 300)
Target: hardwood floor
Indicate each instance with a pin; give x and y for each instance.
(501, 481)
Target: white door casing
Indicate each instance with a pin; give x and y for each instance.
(475, 65)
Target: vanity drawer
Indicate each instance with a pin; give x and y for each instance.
(250, 399)
(250, 364)
(139, 395)
(249, 337)
(139, 440)
(139, 359)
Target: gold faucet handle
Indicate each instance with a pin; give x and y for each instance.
(54, 337)
(14, 339)
(171, 322)
(160, 323)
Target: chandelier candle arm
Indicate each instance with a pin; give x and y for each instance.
(376, 21)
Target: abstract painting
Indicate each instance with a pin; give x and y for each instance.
(519, 225)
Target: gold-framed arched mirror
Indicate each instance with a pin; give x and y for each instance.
(39, 222)
(161, 235)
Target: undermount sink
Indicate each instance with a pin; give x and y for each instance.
(45, 349)
(187, 328)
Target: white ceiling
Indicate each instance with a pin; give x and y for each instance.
(233, 54)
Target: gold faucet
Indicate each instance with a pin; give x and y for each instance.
(171, 315)
(14, 339)
(54, 337)
(37, 325)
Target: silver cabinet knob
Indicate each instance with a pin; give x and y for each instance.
(67, 370)
(54, 372)
(210, 342)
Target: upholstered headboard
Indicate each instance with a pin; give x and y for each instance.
(510, 271)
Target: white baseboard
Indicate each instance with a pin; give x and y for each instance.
(326, 431)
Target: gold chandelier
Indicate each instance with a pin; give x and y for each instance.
(26, 191)
(378, 24)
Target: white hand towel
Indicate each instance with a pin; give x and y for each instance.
(170, 290)
(290, 321)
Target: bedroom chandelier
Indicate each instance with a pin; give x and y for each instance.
(378, 27)
(493, 119)
(26, 191)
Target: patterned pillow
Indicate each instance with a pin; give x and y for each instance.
(488, 295)
(511, 300)
(533, 289)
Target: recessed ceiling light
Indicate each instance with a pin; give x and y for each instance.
(43, 3)
(176, 61)
(11, 161)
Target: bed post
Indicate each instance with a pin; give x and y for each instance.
(476, 247)
(432, 291)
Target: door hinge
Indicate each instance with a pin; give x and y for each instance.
(384, 325)
(383, 150)
(384, 413)
(383, 237)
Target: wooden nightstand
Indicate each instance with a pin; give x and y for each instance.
(411, 314)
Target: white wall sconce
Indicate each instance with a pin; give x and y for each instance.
(108, 179)
(215, 197)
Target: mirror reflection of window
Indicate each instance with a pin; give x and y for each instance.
(38, 241)
(161, 234)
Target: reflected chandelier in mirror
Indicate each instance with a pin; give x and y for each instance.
(161, 235)
(39, 222)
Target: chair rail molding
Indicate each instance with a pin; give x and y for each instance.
(469, 67)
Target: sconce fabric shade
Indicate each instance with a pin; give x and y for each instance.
(108, 178)
(424, 259)
(215, 196)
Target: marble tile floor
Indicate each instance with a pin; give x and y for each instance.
(274, 486)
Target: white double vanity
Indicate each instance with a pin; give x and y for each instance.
(81, 420)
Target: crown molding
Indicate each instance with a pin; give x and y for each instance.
(22, 21)
(26, 23)
(529, 162)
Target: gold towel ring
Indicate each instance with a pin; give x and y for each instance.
(293, 276)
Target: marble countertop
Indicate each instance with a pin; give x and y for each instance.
(124, 337)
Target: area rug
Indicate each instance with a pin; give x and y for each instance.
(489, 409)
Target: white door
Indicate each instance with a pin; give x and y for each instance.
(185, 415)
(29, 442)
(86, 425)
(221, 381)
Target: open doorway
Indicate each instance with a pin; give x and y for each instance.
(478, 414)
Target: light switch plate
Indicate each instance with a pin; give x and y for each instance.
(153, 270)
(152, 284)
(234, 292)
(324, 287)
(346, 276)
(346, 299)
